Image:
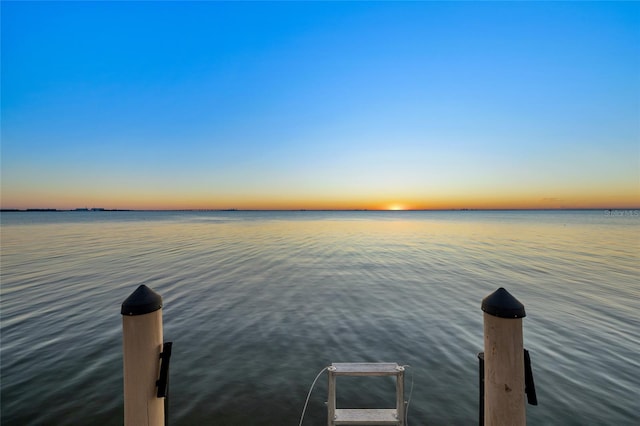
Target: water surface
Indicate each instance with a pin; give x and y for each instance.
(257, 303)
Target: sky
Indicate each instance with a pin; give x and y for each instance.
(320, 105)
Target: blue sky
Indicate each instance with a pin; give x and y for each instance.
(320, 105)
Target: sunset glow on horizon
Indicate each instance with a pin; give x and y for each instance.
(320, 105)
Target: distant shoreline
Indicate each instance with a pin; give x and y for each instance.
(63, 210)
(99, 210)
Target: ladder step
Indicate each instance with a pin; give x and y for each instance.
(366, 369)
(366, 416)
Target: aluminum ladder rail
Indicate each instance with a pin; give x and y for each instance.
(366, 416)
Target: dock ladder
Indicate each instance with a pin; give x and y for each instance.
(366, 416)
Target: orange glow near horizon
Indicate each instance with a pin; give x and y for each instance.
(396, 207)
(253, 201)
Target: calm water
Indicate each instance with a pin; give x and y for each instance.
(258, 303)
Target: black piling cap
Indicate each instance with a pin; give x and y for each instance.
(142, 301)
(502, 304)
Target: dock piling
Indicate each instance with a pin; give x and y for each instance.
(142, 346)
(504, 370)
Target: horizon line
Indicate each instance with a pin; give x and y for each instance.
(98, 210)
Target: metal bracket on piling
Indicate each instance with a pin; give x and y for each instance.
(163, 380)
(529, 385)
(481, 389)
